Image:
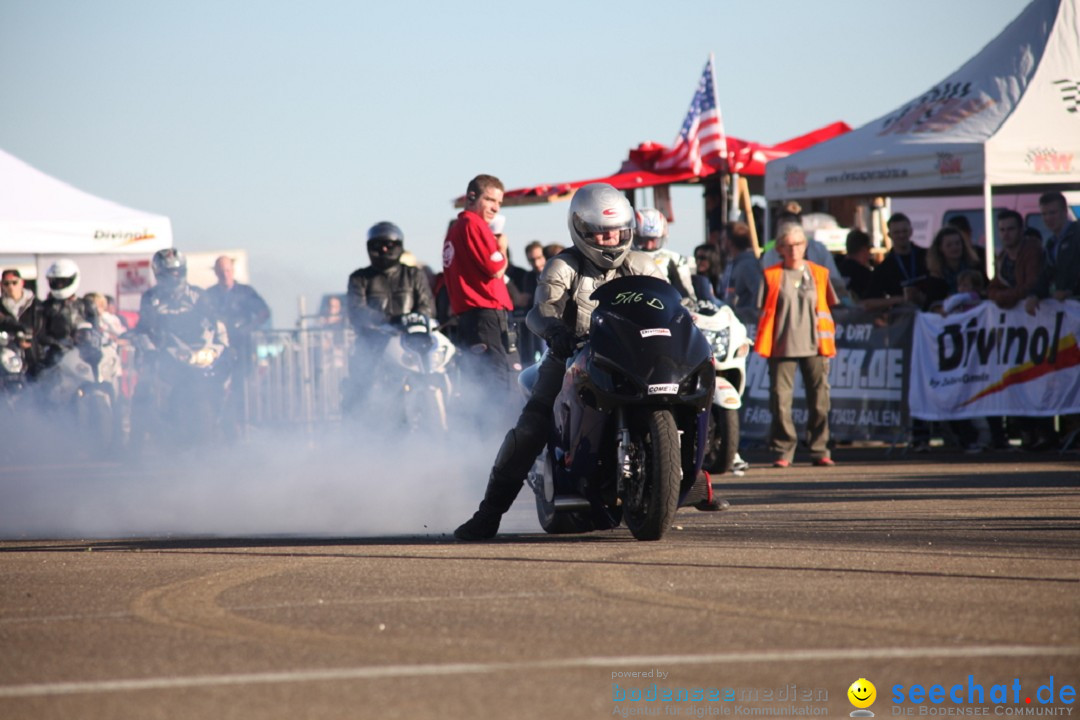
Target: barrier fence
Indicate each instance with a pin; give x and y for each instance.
(297, 375)
(868, 380)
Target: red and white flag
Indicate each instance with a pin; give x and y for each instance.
(701, 144)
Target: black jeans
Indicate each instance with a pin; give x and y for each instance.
(484, 338)
(526, 439)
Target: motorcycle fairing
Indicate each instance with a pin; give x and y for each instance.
(629, 310)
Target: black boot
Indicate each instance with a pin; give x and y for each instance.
(483, 525)
(498, 498)
(501, 491)
(516, 454)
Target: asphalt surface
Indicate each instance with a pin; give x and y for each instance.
(905, 571)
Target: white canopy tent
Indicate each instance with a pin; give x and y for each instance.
(44, 218)
(1008, 118)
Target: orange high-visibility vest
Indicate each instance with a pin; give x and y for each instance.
(826, 328)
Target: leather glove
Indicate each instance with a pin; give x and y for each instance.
(705, 307)
(561, 341)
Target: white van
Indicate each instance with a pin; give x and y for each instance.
(929, 214)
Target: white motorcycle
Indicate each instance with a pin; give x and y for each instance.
(730, 347)
(416, 363)
(85, 382)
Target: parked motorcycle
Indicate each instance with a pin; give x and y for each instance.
(730, 345)
(13, 367)
(12, 363)
(83, 387)
(630, 421)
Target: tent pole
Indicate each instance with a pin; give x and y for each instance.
(723, 210)
(988, 223)
(733, 207)
(766, 231)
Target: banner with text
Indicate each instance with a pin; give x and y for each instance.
(989, 361)
(867, 381)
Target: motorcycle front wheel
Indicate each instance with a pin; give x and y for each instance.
(723, 440)
(652, 494)
(96, 417)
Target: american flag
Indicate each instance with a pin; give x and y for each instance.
(701, 139)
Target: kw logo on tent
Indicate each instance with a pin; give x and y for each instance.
(1048, 161)
(1067, 356)
(1070, 94)
(950, 165)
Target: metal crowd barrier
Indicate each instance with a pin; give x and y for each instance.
(297, 376)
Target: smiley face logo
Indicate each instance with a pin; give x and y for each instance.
(862, 693)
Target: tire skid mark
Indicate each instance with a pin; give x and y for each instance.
(193, 605)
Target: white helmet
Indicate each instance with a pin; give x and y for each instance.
(63, 277)
(651, 225)
(598, 208)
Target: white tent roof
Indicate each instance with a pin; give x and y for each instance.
(1010, 117)
(41, 215)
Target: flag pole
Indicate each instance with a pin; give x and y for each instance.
(725, 179)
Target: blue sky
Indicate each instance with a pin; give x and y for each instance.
(289, 128)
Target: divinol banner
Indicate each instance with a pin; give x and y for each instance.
(867, 378)
(989, 361)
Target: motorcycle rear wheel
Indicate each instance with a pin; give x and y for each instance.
(653, 495)
(552, 522)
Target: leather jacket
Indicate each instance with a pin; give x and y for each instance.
(562, 293)
(378, 296)
(185, 312)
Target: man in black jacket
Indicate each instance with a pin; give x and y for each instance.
(1060, 278)
(21, 312)
(379, 294)
(243, 311)
(902, 273)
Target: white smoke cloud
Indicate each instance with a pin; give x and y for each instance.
(354, 479)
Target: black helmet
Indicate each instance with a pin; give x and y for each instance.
(385, 243)
(170, 267)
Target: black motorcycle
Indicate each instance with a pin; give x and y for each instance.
(631, 420)
(183, 384)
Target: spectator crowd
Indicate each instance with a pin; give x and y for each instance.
(479, 298)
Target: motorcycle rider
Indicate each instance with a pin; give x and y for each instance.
(171, 307)
(651, 238)
(379, 294)
(62, 311)
(601, 223)
(175, 306)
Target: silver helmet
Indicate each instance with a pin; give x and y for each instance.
(651, 225)
(600, 208)
(170, 268)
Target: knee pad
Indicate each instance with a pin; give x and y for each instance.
(521, 446)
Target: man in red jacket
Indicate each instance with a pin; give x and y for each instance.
(473, 267)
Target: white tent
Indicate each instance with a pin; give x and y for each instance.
(1009, 117)
(44, 218)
